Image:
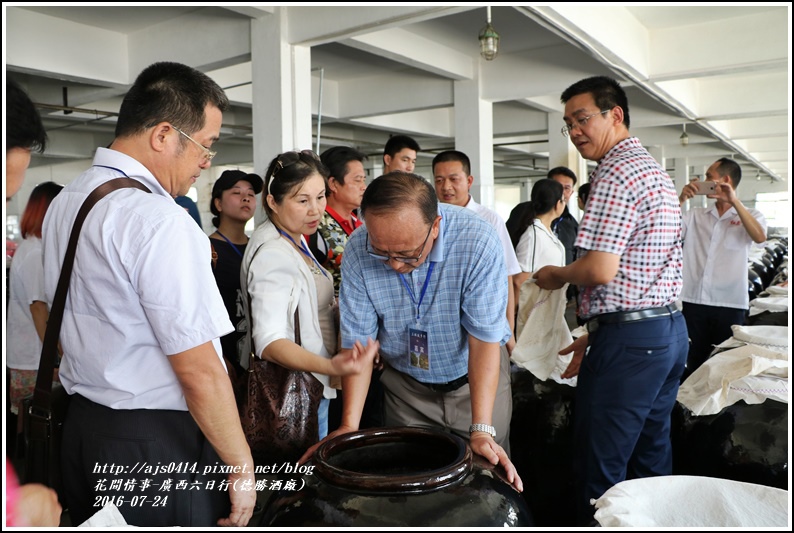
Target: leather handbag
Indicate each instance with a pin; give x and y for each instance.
(44, 413)
(280, 406)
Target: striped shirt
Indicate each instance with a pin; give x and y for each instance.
(632, 211)
(466, 294)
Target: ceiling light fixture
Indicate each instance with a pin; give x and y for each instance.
(489, 40)
(684, 138)
(758, 175)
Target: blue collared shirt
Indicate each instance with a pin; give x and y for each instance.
(466, 295)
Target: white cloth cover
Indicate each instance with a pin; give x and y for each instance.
(541, 332)
(108, 516)
(750, 373)
(773, 304)
(691, 501)
(770, 337)
(777, 290)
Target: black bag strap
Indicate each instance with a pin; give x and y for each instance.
(249, 317)
(42, 396)
(534, 244)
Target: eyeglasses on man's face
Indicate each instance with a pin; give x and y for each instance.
(400, 259)
(580, 123)
(208, 154)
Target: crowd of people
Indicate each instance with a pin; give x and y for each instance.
(405, 291)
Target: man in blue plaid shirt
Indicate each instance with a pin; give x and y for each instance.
(429, 282)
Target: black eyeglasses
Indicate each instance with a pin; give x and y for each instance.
(408, 260)
(287, 159)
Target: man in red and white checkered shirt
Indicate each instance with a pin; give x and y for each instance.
(629, 272)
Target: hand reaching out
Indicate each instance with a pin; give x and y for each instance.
(353, 361)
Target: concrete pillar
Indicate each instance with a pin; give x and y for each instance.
(374, 167)
(526, 189)
(281, 81)
(474, 137)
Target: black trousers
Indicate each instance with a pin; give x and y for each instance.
(155, 465)
(708, 326)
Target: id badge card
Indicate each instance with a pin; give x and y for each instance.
(418, 349)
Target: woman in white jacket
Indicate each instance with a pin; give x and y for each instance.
(282, 275)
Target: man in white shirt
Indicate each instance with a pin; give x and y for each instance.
(152, 424)
(717, 240)
(453, 180)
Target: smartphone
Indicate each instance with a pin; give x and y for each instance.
(706, 187)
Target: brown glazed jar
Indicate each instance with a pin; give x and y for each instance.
(402, 476)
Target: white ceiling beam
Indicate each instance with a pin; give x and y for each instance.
(63, 49)
(393, 93)
(222, 42)
(413, 50)
(613, 33)
(430, 122)
(748, 128)
(254, 12)
(510, 119)
(315, 25)
(721, 47)
(517, 76)
(774, 144)
(617, 40)
(760, 94)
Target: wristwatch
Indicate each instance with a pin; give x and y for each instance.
(485, 428)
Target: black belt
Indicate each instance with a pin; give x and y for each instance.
(630, 316)
(443, 388)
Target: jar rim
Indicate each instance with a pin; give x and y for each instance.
(456, 468)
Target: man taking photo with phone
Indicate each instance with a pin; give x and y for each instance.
(716, 240)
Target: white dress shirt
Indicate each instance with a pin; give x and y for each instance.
(493, 218)
(142, 289)
(716, 252)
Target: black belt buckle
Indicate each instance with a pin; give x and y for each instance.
(622, 317)
(444, 388)
(591, 325)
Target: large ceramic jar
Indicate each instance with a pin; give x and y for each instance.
(742, 442)
(396, 477)
(541, 444)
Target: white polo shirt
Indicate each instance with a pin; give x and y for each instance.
(142, 289)
(715, 257)
(493, 218)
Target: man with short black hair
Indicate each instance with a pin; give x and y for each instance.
(142, 358)
(346, 185)
(24, 133)
(629, 273)
(717, 241)
(400, 154)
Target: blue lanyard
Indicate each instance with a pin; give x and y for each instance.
(304, 250)
(234, 246)
(424, 289)
(114, 168)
